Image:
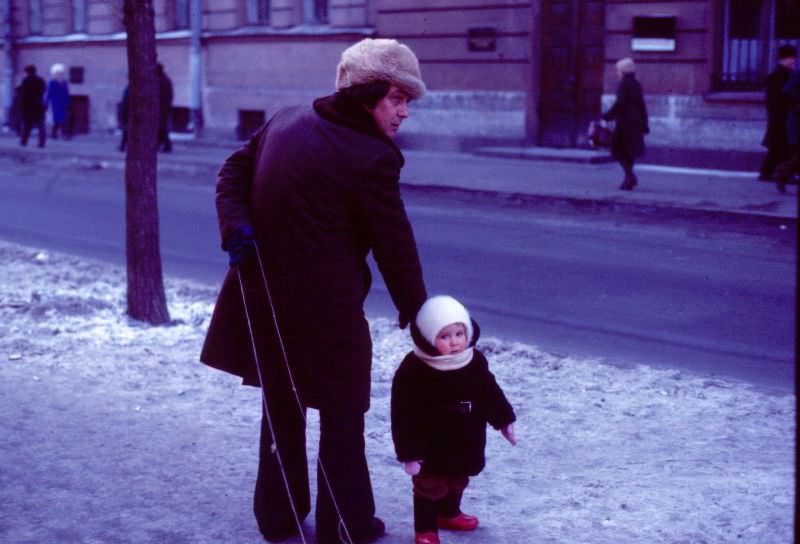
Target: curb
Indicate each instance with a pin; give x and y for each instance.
(612, 204)
(178, 164)
(584, 156)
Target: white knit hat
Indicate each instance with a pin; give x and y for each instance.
(439, 312)
(626, 65)
(380, 60)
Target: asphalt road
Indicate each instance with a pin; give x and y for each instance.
(707, 295)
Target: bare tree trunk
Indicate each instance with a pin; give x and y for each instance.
(146, 300)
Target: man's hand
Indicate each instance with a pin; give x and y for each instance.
(241, 246)
(508, 433)
(412, 468)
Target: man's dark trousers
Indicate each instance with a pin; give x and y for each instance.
(343, 457)
(28, 125)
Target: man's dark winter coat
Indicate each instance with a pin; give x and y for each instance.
(777, 104)
(31, 96)
(320, 187)
(630, 114)
(441, 416)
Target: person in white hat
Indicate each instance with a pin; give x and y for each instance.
(57, 97)
(316, 190)
(443, 397)
(631, 122)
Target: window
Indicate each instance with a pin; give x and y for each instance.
(315, 11)
(258, 12)
(182, 15)
(35, 16)
(752, 32)
(79, 15)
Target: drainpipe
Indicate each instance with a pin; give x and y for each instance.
(195, 68)
(8, 61)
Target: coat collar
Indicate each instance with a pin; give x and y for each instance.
(343, 110)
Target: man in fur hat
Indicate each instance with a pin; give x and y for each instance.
(304, 201)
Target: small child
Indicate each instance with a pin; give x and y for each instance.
(443, 395)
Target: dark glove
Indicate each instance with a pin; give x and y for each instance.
(403, 320)
(241, 246)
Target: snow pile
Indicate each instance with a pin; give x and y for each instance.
(112, 432)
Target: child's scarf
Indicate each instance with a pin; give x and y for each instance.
(445, 363)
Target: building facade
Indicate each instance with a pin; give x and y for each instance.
(498, 71)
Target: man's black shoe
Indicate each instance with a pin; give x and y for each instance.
(279, 535)
(375, 531)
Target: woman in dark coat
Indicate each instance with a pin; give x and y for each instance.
(776, 138)
(316, 189)
(630, 114)
(788, 169)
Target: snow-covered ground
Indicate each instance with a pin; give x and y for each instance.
(113, 432)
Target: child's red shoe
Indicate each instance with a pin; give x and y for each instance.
(426, 538)
(462, 522)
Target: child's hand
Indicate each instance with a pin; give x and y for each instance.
(508, 433)
(412, 468)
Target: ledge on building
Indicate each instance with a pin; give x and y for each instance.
(302, 30)
(735, 97)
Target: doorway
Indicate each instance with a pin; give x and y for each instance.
(78, 117)
(572, 63)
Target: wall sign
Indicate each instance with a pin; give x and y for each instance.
(654, 33)
(482, 39)
(76, 74)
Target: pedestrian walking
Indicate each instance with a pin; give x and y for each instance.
(165, 96)
(58, 100)
(32, 105)
(776, 137)
(443, 397)
(307, 198)
(786, 171)
(123, 112)
(631, 123)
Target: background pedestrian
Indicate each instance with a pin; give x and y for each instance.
(123, 111)
(165, 94)
(58, 99)
(631, 123)
(776, 137)
(32, 105)
(786, 171)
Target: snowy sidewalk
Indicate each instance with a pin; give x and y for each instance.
(113, 432)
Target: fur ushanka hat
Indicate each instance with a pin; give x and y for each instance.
(439, 312)
(380, 60)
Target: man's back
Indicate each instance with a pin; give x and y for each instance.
(32, 94)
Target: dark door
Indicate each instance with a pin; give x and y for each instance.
(571, 86)
(78, 118)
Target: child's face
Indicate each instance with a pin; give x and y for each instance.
(452, 339)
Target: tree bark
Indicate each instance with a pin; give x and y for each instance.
(146, 299)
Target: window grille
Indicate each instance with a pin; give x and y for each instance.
(316, 11)
(182, 15)
(258, 12)
(35, 16)
(752, 31)
(79, 15)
